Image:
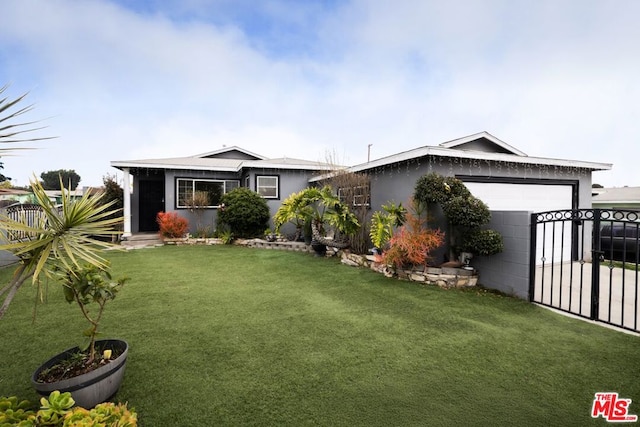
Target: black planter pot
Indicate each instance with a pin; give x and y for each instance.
(319, 248)
(91, 388)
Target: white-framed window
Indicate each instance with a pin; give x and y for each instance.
(268, 186)
(355, 196)
(213, 188)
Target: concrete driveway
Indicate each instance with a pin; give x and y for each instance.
(567, 286)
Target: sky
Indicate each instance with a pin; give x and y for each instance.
(318, 80)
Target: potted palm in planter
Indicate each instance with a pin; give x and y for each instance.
(63, 243)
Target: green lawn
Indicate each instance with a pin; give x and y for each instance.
(224, 335)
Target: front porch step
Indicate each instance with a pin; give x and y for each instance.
(139, 240)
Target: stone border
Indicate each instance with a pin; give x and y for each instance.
(443, 277)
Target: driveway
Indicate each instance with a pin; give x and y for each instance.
(567, 286)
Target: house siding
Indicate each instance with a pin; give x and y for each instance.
(397, 181)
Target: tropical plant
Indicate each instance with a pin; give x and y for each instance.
(245, 212)
(11, 132)
(57, 239)
(383, 223)
(324, 211)
(295, 209)
(84, 285)
(413, 242)
(172, 225)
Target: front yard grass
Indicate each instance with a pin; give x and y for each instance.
(224, 335)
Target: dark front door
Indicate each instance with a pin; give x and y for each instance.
(151, 202)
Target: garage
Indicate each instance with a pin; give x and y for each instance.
(534, 197)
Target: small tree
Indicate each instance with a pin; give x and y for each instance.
(465, 214)
(51, 179)
(245, 212)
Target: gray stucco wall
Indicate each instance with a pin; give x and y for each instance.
(508, 271)
(290, 181)
(397, 181)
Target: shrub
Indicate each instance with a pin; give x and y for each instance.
(412, 243)
(245, 212)
(436, 188)
(468, 212)
(483, 242)
(172, 225)
(465, 213)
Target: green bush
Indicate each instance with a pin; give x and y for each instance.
(483, 242)
(468, 212)
(245, 212)
(436, 188)
(465, 214)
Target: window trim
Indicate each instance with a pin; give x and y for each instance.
(194, 180)
(353, 203)
(277, 186)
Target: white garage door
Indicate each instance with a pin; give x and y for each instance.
(533, 198)
(522, 197)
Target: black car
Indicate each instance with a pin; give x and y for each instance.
(620, 241)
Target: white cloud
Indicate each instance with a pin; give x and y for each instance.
(552, 79)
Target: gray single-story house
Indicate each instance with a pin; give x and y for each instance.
(502, 176)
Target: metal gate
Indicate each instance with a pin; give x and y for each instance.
(586, 262)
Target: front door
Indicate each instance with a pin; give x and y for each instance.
(151, 202)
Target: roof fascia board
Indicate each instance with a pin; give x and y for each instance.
(479, 155)
(227, 149)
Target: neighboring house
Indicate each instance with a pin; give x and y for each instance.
(9, 196)
(502, 176)
(616, 198)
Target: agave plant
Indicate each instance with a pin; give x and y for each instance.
(59, 238)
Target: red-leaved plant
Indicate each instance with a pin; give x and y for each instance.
(412, 243)
(172, 225)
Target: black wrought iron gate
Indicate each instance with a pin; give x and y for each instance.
(586, 262)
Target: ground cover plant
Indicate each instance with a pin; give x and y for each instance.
(225, 335)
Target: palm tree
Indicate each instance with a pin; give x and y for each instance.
(11, 132)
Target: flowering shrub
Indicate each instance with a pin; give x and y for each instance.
(412, 243)
(172, 225)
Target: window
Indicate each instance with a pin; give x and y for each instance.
(267, 186)
(355, 196)
(213, 188)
